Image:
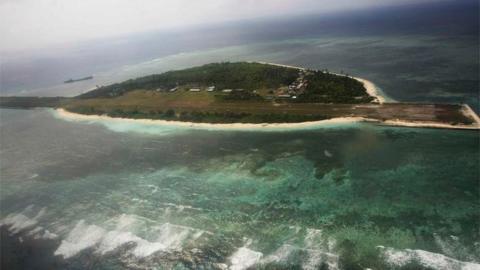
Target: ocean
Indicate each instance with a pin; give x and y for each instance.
(419, 53)
(110, 195)
(144, 196)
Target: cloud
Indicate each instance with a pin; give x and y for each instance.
(30, 23)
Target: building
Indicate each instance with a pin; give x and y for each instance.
(210, 89)
(194, 89)
(173, 89)
(227, 90)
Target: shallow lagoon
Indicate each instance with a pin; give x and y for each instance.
(144, 197)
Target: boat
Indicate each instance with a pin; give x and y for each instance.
(77, 80)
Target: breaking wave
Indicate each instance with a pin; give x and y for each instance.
(145, 243)
(317, 252)
(401, 258)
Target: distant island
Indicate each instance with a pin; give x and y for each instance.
(253, 93)
(77, 80)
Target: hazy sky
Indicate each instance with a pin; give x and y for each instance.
(39, 23)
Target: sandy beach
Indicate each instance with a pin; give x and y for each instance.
(64, 114)
(70, 116)
(429, 125)
(370, 87)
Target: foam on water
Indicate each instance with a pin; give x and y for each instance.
(122, 235)
(399, 258)
(308, 259)
(169, 237)
(115, 239)
(452, 247)
(126, 221)
(244, 258)
(141, 128)
(18, 222)
(315, 253)
(47, 235)
(146, 248)
(172, 236)
(233, 193)
(27, 222)
(81, 237)
(125, 125)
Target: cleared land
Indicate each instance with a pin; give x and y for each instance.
(204, 105)
(249, 93)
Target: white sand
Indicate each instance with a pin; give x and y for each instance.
(372, 90)
(467, 111)
(428, 125)
(61, 113)
(236, 126)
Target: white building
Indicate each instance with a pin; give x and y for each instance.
(194, 89)
(210, 89)
(227, 90)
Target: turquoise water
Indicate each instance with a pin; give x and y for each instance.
(337, 197)
(118, 195)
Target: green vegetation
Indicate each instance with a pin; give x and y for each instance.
(245, 80)
(239, 96)
(242, 93)
(248, 76)
(208, 107)
(327, 88)
(203, 117)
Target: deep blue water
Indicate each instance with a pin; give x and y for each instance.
(422, 52)
(123, 195)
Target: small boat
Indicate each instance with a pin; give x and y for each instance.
(77, 80)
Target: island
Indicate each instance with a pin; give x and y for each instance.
(252, 93)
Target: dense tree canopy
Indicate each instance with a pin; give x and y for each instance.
(323, 87)
(330, 88)
(243, 75)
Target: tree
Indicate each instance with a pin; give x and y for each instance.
(170, 113)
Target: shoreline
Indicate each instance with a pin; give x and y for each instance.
(66, 115)
(370, 87)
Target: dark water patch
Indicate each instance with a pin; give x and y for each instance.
(22, 252)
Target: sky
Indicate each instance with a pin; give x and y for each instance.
(28, 24)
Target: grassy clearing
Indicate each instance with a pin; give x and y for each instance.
(207, 107)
